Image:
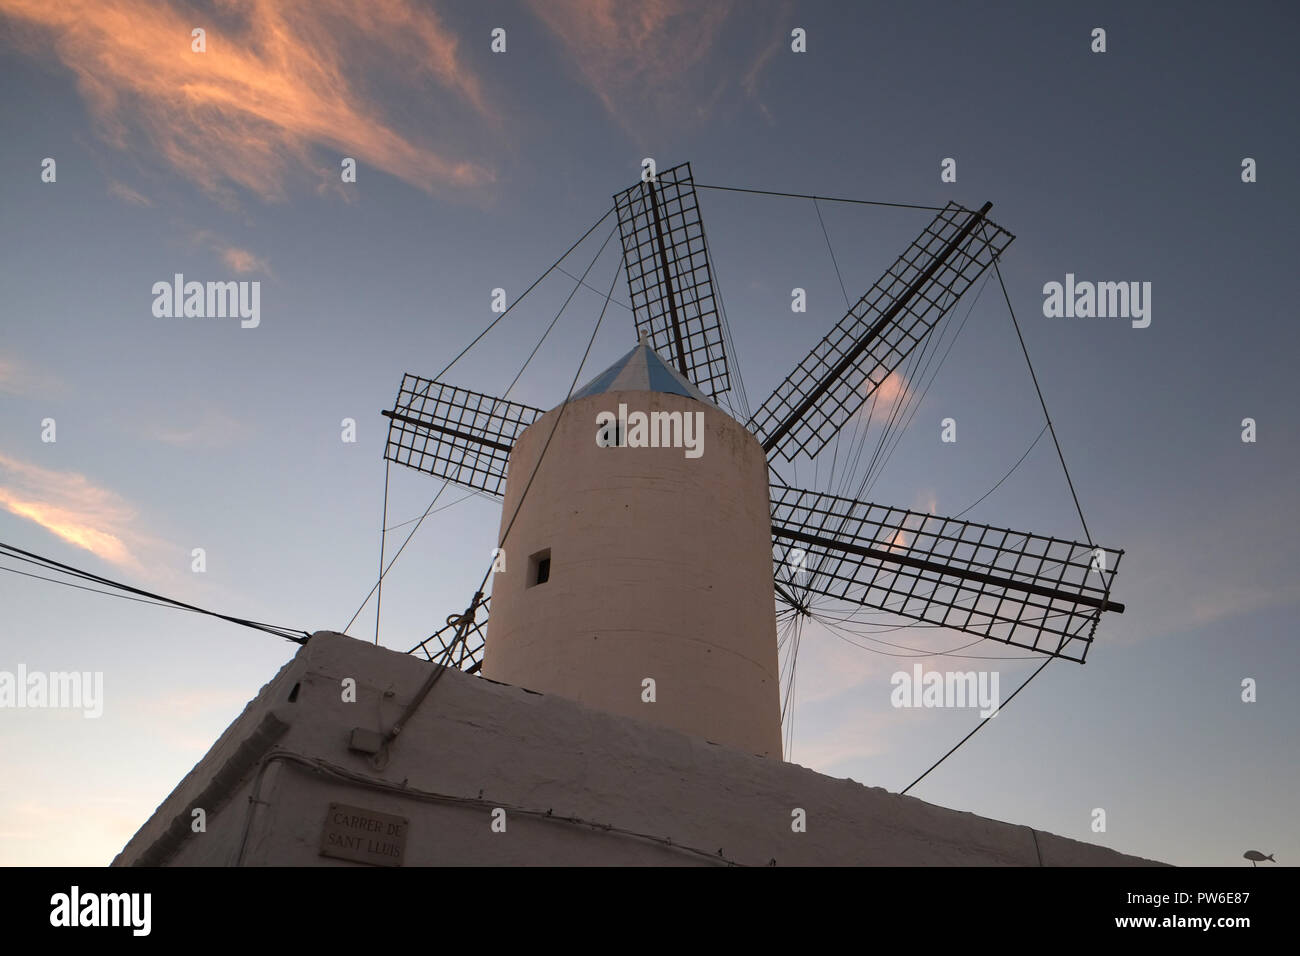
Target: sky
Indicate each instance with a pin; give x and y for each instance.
(475, 170)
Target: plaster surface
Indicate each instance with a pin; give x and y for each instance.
(660, 569)
(577, 786)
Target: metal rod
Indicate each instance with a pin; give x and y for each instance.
(466, 620)
(447, 431)
(852, 356)
(668, 280)
(945, 569)
(786, 596)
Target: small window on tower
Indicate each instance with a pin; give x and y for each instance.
(539, 567)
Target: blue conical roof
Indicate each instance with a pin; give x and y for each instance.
(641, 370)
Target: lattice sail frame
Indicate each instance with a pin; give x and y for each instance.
(879, 332)
(669, 278)
(468, 655)
(1022, 589)
(453, 433)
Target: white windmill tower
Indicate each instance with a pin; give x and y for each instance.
(649, 564)
(644, 563)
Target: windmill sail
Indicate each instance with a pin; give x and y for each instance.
(879, 332)
(1031, 591)
(453, 433)
(669, 278)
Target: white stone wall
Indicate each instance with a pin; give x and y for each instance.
(475, 745)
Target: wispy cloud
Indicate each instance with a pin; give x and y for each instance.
(236, 259)
(210, 428)
(72, 507)
(749, 83)
(277, 79)
(837, 706)
(125, 193)
(751, 78)
(894, 390)
(860, 733)
(639, 59)
(241, 260)
(23, 379)
(1178, 576)
(829, 665)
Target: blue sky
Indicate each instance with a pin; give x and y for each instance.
(475, 171)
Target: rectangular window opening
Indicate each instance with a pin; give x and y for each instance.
(539, 567)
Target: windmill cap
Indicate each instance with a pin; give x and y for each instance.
(641, 370)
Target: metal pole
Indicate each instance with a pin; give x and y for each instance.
(852, 356)
(668, 281)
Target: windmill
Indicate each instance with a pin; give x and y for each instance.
(610, 527)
